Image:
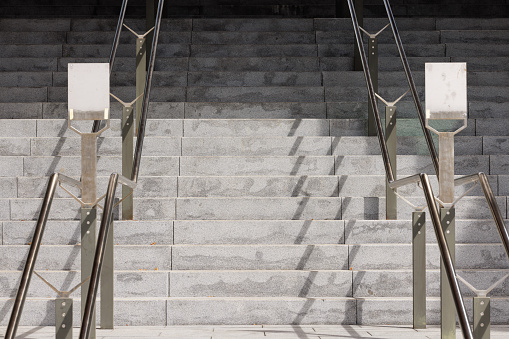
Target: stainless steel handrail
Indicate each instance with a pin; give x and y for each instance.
(21, 295)
(146, 96)
(113, 53)
(371, 92)
(411, 84)
(88, 311)
(482, 178)
(422, 177)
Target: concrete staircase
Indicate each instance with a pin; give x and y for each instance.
(261, 198)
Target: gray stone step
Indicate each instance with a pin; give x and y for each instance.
(26, 79)
(257, 38)
(123, 50)
(250, 64)
(255, 128)
(230, 79)
(157, 232)
(411, 164)
(71, 166)
(256, 146)
(260, 257)
(295, 208)
(394, 63)
(31, 51)
(256, 25)
(255, 110)
(395, 79)
(344, 145)
(398, 283)
(261, 310)
(127, 284)
(407, 37)
(234, 50)
(158, 110)
(251, 232)
(329, 186)
(393, 256)
(32, 38)
(67, 208)
(106, 37)
(493, 127)
(398, 311)
(483, 64)
(160, 79)
(499, 164)
(128, 311)
(375, 24)
(384, 50)
(112, 146)
(161, 94)
(47, 128)
(399, 231)
(35, 25)
(310, 284)
(255, 94)
(300, 208)
(23, 94)
(138, 25)
(123, 64)
(52, 257)
(28, 64)
(475, 93)
(475, 36)
(35, 187)
(476, 50)
(258, 186)
(225, 166)
(190, 311)
(471, 23)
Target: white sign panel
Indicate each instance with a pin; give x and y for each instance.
(88, 87)
(446, 90)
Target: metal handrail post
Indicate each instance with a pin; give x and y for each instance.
(19, 302)
(107, 217)
(413, 89)
(113, 53)
(146, 97)
(371, 92)
(447, 259)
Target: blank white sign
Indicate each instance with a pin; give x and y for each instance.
(88, 87)
(446, 90)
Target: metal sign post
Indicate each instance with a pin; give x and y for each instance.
(88, 97)
(446, 99)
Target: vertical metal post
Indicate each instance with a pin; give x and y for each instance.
(482, 318)
(391, 200)
(107, 283)
(359, 9)
(373, 71)
(141, 75)
(419, 269)
(448, 312)
(63, 318)
(127, 156)
(88, 243)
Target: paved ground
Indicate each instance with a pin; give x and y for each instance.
(257, 331)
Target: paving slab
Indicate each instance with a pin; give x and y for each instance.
(254, 331)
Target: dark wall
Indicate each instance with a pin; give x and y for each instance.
(253, 8)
